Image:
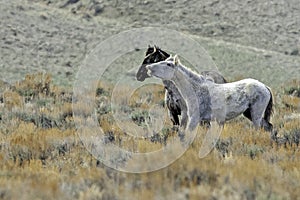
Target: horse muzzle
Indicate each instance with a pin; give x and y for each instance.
(141, 75)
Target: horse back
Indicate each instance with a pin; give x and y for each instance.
(242, 92)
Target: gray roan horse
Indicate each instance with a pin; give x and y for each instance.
(173, 99)
(207, 100)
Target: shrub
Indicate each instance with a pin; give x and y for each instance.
(293, 88)
(140, 117)
(292, 137)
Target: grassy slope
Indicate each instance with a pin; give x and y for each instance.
(42, 157)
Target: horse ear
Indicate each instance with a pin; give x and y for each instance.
(154, 49)
(176, 60)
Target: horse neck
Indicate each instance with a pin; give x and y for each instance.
(190, 75)
(185, 80)
(187, 88)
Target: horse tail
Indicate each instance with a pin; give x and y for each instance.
(269, 109)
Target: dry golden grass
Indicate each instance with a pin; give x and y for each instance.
(42, 157)
(12, 100)
(291, 101)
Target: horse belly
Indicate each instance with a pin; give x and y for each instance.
(233, 114)
(236, 104)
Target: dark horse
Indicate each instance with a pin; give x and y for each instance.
(173, 99)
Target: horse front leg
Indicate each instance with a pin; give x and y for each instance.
(184, 119)
(174, 118)
(193, 122)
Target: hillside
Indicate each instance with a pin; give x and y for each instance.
(49, 146)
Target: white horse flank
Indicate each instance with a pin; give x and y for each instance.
(207, 100)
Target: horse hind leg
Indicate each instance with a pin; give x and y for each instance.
(255, 115)
(261, 111)
(264, 122)
(267, 125)
(258, 119)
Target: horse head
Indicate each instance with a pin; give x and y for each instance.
(153, 55)
(164, 69)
